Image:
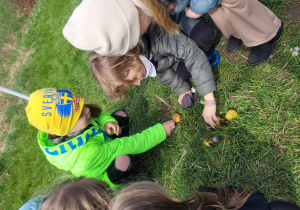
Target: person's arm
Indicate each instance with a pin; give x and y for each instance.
(140, 142)
(181, 48)
(98, 154)
(189, 13)
(184, 49)
(169, 77)
(209, 112)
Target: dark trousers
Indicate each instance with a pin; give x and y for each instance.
(114, 174)
(203, 35)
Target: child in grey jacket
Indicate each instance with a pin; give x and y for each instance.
(160, 55)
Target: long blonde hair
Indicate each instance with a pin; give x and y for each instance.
(110, 71)
(161, 15)
(150, 196)
(79, 194)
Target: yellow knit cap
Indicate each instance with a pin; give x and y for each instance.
(54, 111)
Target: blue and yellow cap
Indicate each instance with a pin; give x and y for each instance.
(54, 111)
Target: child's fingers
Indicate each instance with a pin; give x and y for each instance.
(212, 123)
(183, 94)
(114, 127)
(111, 129)
(170, 7)
(118, 130)
(172, 123)
(215, 119)
(169, 126)
(189, 13)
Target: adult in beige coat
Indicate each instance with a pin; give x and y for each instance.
(242, 21)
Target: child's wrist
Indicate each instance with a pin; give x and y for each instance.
(209, 96)
(209, 102)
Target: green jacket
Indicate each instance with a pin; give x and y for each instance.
(90, 153)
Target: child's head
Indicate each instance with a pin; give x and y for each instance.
(148, 195)
(114, 27)
(116, 73)
(142, 195)
(77, 194)
(58, 112)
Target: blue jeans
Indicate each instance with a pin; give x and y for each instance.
(203, 6)
(197, 6)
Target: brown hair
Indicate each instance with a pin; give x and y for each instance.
(161, 15)
(94, 109)
(150, 196)
(79, 194)
(110, 71)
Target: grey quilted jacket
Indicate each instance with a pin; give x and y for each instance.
(166, 51)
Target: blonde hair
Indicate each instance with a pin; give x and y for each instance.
(110, 71)
(150, 196)
(79, 194)
(161, 15)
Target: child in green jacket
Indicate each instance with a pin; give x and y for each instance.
(78, 138)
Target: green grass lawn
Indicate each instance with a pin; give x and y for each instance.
(259, 149)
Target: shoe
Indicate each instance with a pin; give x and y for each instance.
(233, 44)
(262, 52)
(213, 57)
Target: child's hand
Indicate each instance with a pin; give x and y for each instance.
(181, 96)
(169, 126)
(170, 7)
(189, 13)
(209, 115)
(110, 126)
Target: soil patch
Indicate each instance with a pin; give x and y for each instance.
(294, 10)
(240, 56)
(23, 6)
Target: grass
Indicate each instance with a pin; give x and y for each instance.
(260, 149)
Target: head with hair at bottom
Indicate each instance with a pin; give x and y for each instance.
(79, 194)
(150, 196)
(117, 73)
(114, 27)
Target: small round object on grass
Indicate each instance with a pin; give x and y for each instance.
(215, 139)
(176, 117)
(231, 114)
(207, 142)
(219, 121)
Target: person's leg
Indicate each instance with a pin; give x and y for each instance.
(203, 35)
(120, 169)
(183, 72)
(198, 29)
(222, 21)
(253, 22)
(123, 121)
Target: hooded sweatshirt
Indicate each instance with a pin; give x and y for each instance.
(90, 153)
